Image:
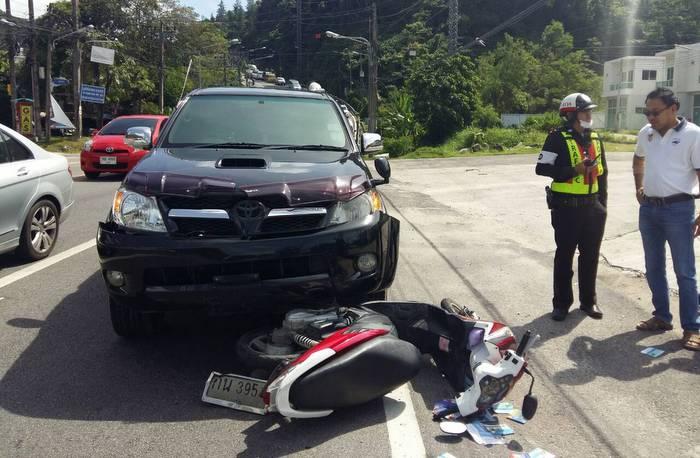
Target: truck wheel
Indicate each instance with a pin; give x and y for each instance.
(128, 322)
(253, 351)
(40, 231)
(92, 175)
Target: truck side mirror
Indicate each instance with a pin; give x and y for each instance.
(138, 137)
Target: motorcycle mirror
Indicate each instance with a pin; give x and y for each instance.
(529, 406)
(453, 427)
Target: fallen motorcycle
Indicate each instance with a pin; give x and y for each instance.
(333, 358)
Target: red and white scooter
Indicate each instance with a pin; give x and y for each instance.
(358, 354)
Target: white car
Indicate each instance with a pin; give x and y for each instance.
(36, 195)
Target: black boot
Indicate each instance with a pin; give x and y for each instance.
(593, 311)
(559, 314)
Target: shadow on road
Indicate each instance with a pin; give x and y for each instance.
(78, 369)
(104, 177)
(620, 357)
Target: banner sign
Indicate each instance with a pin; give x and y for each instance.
(102, 55)
(94, 94)
(24, 110)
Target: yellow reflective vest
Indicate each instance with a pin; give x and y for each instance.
(580, 184)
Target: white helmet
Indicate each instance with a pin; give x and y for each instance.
(575, 102)
(314, 86)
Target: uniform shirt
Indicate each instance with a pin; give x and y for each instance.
(671, 161)
(555, 161)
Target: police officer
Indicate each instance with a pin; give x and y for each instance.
(573, 156)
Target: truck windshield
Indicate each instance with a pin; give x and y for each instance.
(256, 119)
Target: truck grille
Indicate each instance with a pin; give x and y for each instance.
(234, 225)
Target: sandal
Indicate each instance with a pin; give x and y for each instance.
(691, 340)
(654, 324)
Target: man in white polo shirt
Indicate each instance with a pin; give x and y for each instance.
(666, 169)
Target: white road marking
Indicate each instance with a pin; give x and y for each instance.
(404, 434)
(43, 264)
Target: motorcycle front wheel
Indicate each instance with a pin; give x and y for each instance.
(256, 350)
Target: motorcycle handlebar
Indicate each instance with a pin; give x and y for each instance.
(523, 343)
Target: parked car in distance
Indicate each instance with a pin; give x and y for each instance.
(294, 84)
(36, 196)
(106, 150)
(237, 210)
(280, 81)
(257, 74)
(270, 77)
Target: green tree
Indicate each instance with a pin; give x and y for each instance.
(446, 92)
(506, 73)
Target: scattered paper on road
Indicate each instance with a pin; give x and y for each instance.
(653, 352)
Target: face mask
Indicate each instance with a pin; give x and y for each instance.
(587, 124)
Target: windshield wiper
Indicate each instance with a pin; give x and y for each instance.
(311, 147)
(241, 145)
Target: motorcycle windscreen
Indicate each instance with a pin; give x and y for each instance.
(366, 372)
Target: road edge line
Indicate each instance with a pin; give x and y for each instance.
(43, 264)
(405, 437)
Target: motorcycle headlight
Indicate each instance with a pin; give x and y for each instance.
(87, 146)
(357, 208)
(135, 211)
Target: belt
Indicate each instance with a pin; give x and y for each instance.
(659, 201)
(574, 200)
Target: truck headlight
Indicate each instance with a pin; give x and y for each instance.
(135, 211)
(356, 209)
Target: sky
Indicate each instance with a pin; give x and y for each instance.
(204, 8)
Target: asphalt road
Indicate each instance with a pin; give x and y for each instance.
(473, 229)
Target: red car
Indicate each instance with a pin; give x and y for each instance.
(107, 152)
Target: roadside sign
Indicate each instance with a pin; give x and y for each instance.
(102, 55)
(25, 117)
(94, 94)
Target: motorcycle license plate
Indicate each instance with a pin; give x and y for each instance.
(108, 160)
(236, 392)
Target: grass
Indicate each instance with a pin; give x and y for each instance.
(64, 145)
(530, 142)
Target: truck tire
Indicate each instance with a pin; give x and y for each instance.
(128, 322)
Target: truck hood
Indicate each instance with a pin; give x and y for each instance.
(309, 178)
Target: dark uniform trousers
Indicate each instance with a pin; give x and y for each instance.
(574, 227)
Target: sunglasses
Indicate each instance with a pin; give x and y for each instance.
(654, 114)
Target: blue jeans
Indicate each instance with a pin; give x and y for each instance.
(671, 223)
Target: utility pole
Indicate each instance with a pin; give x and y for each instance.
(13, 72)
(47, 76)
(373, 58)
(298, 75)
(34, 70)
(77, 112)
(452, 23)
(161, 71)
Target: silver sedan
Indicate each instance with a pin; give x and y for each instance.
(36, 195)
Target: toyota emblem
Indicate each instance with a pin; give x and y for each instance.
(250, 209)
(109, 149)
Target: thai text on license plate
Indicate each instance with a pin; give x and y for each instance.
(108, 160)
(235, 391)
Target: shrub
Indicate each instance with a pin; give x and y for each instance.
(396, 147)
(543, 122)
(486, 117)
(507, 138)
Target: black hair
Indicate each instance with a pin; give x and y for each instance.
(665, 95)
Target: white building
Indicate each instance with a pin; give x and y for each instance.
(628, 80)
